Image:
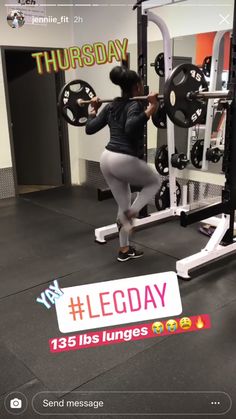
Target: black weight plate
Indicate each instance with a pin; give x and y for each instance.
(162, 199)
(196, 154)
(73, 113)
(206, 66)
(182, 111)
(160, 64)
(161, 160)
(159, 118)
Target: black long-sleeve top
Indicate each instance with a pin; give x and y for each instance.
(126, 121)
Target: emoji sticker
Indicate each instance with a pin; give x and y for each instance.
(157, 327)
(171, 325)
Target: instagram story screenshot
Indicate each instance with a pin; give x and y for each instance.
(117, 209)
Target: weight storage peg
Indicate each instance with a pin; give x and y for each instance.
(179, 161)
(214, 154)
(161, 160)
(162, 198)
(196, 154)
(159, 64)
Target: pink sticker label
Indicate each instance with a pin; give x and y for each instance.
(131, 333)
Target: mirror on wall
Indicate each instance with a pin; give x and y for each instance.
(211, 52)
(202, 50)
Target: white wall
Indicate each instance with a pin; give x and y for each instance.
(103, 24)
(196, 16)
(185, 46)
(186, 18)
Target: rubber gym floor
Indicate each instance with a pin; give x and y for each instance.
(50, 234)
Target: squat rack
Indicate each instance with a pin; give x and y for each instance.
(143, 17)
(225, 229)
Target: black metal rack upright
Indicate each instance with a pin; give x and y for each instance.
(142, 23)
(142, 42)
(229, 163)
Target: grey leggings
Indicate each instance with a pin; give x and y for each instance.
(121, 170)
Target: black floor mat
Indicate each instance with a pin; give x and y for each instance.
(198, 361)
(50, 235)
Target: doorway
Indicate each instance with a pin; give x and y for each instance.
(39, 136)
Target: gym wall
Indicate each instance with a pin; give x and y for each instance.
(192, 17)
(181, 21)
(102, 24)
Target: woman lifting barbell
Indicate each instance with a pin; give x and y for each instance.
(121, 162)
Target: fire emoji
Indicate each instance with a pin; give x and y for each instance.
(199, 323)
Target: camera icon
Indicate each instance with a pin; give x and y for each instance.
(15, 403)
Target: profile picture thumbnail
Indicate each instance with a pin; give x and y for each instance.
(15, 19)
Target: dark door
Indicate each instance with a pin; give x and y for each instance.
(34, 119)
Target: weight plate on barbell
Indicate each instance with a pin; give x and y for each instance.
(162, 199)
(206, 66)
(159, 118)
(182, 110)
(67, 102)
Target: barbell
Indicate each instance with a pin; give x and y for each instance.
(185, 98)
